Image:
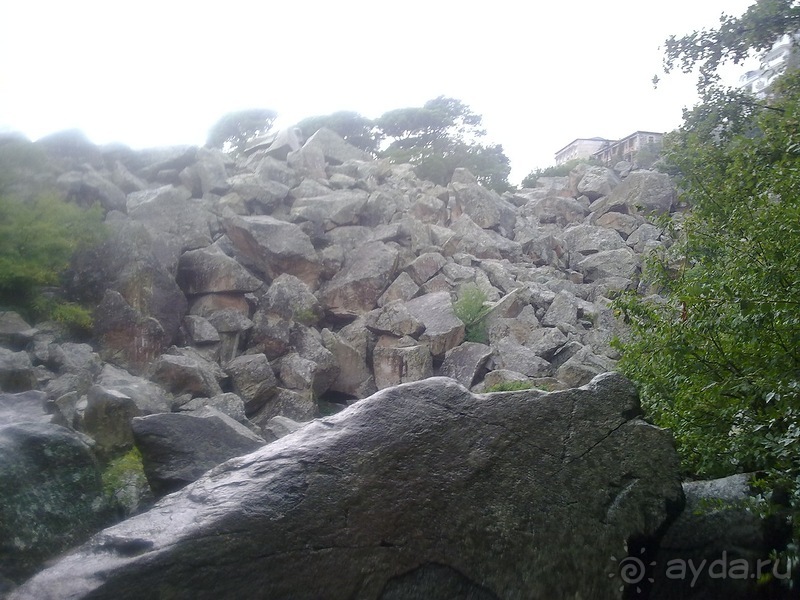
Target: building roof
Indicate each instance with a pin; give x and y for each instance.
(638, 131)
(591, 139)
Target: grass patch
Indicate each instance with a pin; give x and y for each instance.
(471, 309)
(510, 386)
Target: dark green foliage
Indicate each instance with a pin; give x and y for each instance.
(351, 126)
(471, 308)
(37, 240)
(125, 485)
(717, 358)
(120, 471)
(719, 362)
(77, 319)
(756, 30)
(232, 132)
(440, 137)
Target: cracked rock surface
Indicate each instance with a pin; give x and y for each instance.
(419, 489)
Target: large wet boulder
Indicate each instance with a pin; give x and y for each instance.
(173, 212)
(87, 187)
(334, 148)
(50, 495)
(719, 547)
(29, 406)
(14, 330)
(400, 360)
(597, 182)
(334, 209)
(177, 448)
(485, 207)
(367, 272)
(130, 277)
(252, 378)
(17, 373)
(210, 270)
(644, 192)
(419, 488)
(274, 247)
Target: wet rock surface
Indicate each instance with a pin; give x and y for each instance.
(420, 487)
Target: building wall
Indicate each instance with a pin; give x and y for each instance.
(627, 147)
(773, 64)
(580, 148)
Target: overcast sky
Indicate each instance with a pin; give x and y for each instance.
(150, 73)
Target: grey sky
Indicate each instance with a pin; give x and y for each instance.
(150, 73)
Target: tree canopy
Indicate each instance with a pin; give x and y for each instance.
(733, 41)
(232, 132)
(441, 136)
(716, 351)
(354, 128)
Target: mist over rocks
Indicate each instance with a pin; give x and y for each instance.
(275, 288)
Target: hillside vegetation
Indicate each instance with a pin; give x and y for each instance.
(716, 353)
(39, 231)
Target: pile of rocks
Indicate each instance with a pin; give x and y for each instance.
(237, 299)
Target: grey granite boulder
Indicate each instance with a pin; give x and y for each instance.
(485, 207)
(252, 379)
(598, 181)
(14, 330)
(645, 192)
(275, 247)
(87, 187)
(366, 274)
(400, 360)
(50, 495)
(173, 212)
(355, 377)
(177, 448)
(17, 373)
(289, 298)
(336, 208)
(334, 148)
(184, 375)
(443, 329)
(557, 210)
(513, 356)
(207, 270)
(463, 363)
(419, 488)
(394, 318)
(23, 407)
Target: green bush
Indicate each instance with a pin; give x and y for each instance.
(76, 318)
(120, 471)
(471, 308)
(125, 485)
(37, 240)
(717, 356)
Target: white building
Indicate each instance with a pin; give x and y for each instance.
(580, 148)
(773, 64)
(627, 147)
